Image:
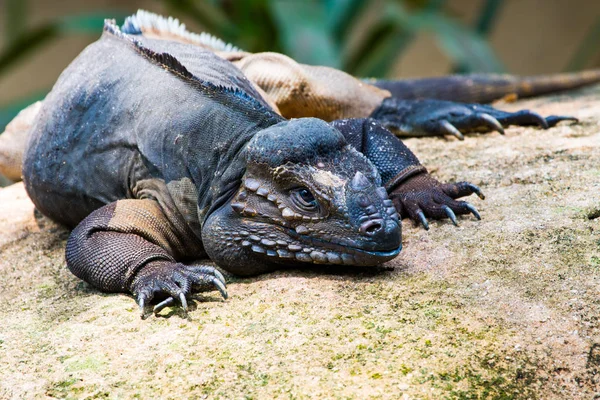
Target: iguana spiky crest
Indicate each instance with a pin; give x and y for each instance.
(144, 22)
(172, 64)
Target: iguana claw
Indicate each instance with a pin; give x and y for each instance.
(221, 286)
(177, 282)
(220, 277)
(475, 189)
(473, 210)
(450, 215)
(492, 123)
(183, 300)
(447, 128)
(142, 306)
(423, 219)
(163, 304)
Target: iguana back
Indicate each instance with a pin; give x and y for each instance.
(145, 115)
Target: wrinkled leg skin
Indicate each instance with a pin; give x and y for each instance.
(130, 246)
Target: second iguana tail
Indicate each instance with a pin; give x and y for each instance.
(485, 88)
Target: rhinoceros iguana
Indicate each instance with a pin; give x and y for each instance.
(160, 147)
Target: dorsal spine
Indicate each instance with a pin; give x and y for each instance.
(147, 21)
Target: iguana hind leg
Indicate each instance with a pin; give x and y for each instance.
(131, 246)
(439, 117)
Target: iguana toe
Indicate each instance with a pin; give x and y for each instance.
(529, 118)
(423, 220)
(552, 120)
(462, 189)
(520, 118)
(450, 215)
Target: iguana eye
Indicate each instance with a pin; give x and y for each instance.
(304, 199)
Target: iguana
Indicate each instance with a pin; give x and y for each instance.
(161, 147)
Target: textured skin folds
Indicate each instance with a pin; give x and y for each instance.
(137, 227)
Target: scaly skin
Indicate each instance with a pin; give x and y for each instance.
(163, 153)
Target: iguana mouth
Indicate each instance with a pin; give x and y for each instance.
(294, 246)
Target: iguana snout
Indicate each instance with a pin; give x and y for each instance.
(306, 197)
(374, 214)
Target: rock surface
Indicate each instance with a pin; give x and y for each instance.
(506, 307)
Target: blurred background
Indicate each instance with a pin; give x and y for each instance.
(367, 38)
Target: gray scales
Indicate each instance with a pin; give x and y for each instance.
(159, 151)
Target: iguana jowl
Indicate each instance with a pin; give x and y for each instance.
(160, 151)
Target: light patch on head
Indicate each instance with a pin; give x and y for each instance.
(328, 179)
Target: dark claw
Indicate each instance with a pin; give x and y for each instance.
(142, 305)
(541, 121)
(163, 304)
(475, 189)
(526, 117)
(423, 219)
(449, 129)
(491, 122)
(220, 276)
(555, 119)
(183, 300)
(220, 286)
(473, 210)
(450, 215)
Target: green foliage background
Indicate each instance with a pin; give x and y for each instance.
(310, 31)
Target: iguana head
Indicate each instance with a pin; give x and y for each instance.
(306, 197)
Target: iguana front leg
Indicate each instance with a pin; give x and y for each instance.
(415, 193)
(130, 246)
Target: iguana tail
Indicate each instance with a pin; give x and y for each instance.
(13, 142)
(485, 88)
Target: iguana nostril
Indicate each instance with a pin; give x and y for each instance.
(371, 227)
